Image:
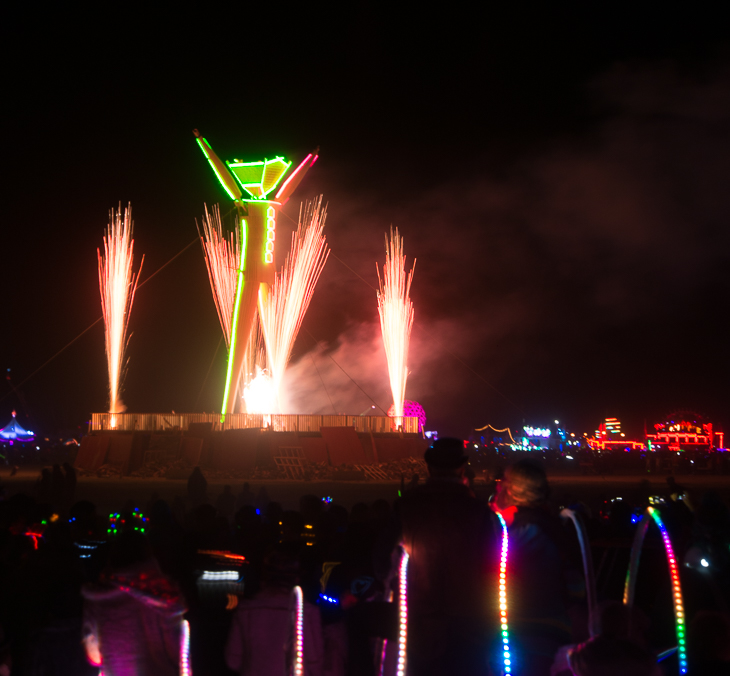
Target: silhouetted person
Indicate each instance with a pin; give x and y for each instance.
(262, 499)
(197, 487)
(69, 484)
(261, 640)
(245, 497)
(451, 540)
(58, 487)
(226, 502)
(44, 486)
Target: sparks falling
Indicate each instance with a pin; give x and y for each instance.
(396, 317)
(284, 308)
(117, 283)
(222, 258)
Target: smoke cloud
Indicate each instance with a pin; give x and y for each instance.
(520, 269)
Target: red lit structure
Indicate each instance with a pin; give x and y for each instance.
(685, 431)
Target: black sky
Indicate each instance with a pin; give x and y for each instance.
(560, 173)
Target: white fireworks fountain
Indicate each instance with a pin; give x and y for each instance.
(222, 258)
(284, 308)
(396, 318)
(117, 284)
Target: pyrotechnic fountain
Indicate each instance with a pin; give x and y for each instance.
(283, 309)
(396, 318)
(117, 283)
(222, 258)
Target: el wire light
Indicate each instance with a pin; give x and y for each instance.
(679, 616)
(679, 613)
(403, 615)
(185, 669)
(504, 624)
(298, 631)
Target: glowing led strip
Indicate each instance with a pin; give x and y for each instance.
(676, 591)
(185, 669)
(403, 615)
(299, 632)
(679, 615)
(506, 655)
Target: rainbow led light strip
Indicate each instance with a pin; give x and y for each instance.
(299, 631)
(403, 614)
(679, 617)
(185, 669)
(506, 655)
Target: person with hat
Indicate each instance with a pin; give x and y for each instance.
(451, 539)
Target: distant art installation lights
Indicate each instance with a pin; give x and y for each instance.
(257, 190)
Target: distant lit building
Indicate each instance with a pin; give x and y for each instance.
(684, 431)
(610, 437)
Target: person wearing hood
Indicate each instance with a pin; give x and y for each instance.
(133, 615)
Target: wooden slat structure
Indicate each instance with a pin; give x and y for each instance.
(158, 422)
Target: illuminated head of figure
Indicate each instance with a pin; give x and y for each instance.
(525, 484)
(259, 179)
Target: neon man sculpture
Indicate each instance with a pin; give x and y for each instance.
(653, 513)
(251, 186)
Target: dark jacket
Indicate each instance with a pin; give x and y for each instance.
(136, 617)
(451, 539)
(537, 565)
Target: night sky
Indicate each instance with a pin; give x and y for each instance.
(561, 174)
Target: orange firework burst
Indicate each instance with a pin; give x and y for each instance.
(117, 283)
(396, 317)
(284, 308)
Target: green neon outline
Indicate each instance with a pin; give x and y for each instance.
(213, 167)
(234, 323)
(260, 185)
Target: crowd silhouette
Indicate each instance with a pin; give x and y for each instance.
(83, 592)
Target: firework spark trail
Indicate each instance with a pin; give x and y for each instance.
(117, 283)
(284, 308)
(396, 317)
(222, 258)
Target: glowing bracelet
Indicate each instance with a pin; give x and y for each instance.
(403, 614)
(298, 631)
(506, 655)
(679, 616)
